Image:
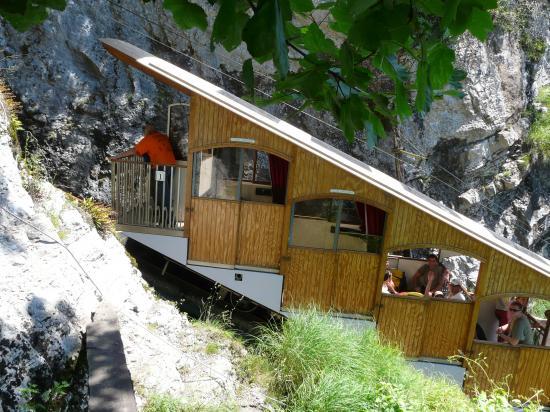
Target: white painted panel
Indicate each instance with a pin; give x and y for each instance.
(173, 247)
(409, 266)
(262, 287)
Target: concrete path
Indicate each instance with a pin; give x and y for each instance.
(109, 379)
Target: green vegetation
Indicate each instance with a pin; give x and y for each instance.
(317, 364)
(539, 306)
(100, 214)
(368, 62)
(167, 403)
(23, 14)
(539, 134)
(514, 17)
(212, 348)
(51, 400)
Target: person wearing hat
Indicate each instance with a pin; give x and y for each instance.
(456, 290)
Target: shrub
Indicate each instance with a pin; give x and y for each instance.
(318, 364)
(100, 214)
(539, 134)
(51, 400)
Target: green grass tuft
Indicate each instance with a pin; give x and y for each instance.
(212, 348)
(167, 403)
(318, 364)
(539, 135)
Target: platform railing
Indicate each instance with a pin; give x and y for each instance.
(148, 196)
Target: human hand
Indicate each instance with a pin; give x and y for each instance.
(499, 330)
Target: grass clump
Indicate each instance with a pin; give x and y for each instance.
(539, 134)
(101, 215)
(212, 348)
(318, 364)
(167, 403)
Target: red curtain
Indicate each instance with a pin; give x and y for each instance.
(374, 220)
(278, 168)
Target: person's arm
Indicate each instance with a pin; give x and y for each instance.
(391, 288)
(509, 339)
(431, 277)
(129, 152)
(503, 329)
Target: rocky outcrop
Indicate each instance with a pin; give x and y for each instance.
(82, 105)
(55, 268)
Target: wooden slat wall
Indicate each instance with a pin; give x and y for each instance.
(401, 322)
(355, 282)
(215, 126)
(533, 371)
(309, 278)
(315, 176)
(413, 227)
(445, 328)
(510, 276)
(523, 368)
(214, 228)
(260, 233)
(425, 327)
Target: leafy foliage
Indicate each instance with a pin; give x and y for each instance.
(319, 364)
(23, 14)
(51, 400)
(539, 134)
(368, 62)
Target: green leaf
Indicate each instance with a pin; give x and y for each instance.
(435, 7)
(402, 107)
(451, 8)
(228, 26)
(51, 4)
(480, 23)
(248, 77)
(280, 54)
(33, 16)
(422, 87)
(301, 6)
(259, 33)
(186, 14)
(326, 5)
(440, 60)
(352, 116)
(314, 41)
(377, 125)
(374, 28)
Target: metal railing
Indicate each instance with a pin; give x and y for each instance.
(146, 196)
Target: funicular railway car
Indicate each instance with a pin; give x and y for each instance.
(273, 213)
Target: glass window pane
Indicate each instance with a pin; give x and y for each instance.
(248, 164)
(215, 173)
(313, 224)
(262, 168)
(353, 234)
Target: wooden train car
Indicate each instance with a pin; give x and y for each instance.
(277, 215)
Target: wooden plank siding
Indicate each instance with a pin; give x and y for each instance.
(446, 328)
(523, 368)
(511, 277)
(413, 228)
(315, 177)
(401, 323)
(214, 229)
(309, 278)
(214, 126)
(355, 282)
(260, 233)
(425, 327)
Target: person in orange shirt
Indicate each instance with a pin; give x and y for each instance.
(155, 147)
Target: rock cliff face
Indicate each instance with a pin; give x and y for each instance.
(51, 266)
(82, 105)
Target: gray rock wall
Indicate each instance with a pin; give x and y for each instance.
(82, 105)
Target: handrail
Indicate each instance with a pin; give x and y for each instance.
(148, 196)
